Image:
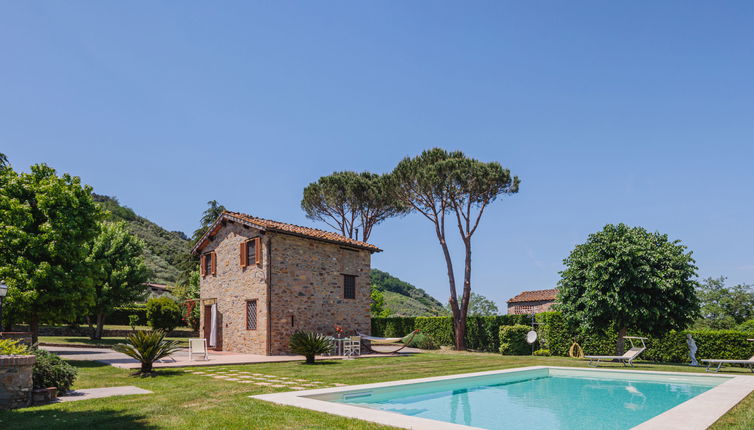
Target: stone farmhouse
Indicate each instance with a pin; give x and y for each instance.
(262, 280)
(529, 302)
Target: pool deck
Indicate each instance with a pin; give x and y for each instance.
(181, 358)
(697, 413)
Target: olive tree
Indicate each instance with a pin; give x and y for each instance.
(439, 184)
(48, 222)
(627, 278)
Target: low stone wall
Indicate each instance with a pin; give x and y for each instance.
(15, 381)
(23, 336)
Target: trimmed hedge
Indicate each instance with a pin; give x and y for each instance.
(119, 316)
(670, 348)
(513, 340)
(482, 333)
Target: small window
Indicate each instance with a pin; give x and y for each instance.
(251, 315)
(349, 286)
(208, 264)
(250, 252)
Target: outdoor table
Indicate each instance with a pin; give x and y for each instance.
(339, 343)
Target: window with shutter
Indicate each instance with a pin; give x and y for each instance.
(349, 286)
(213, 261)
(251, 251)
(242, 255)
(208, 264)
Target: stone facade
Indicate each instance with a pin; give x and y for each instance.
(15, 381)
(297, 285)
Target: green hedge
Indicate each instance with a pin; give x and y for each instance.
(513, 340)
(670, 348)
(482, 333)
(120, 315)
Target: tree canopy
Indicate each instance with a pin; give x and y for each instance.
(437, 183)
(48, 223)
(724, 308)
(351, 202)
(628, 279)
(118, 271)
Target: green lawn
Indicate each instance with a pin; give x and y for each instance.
(182, 400)
(105, 341)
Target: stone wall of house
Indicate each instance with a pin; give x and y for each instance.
(530, 307)
(231, 287)
(307, 289)
(15, 381)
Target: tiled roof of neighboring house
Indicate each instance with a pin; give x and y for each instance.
(159, 286)
(281, 227)
(535, 296)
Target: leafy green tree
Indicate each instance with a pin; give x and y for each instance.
(119, 271)
(482, 306)
(3, 161)
(378, 304)
(351, 202)
(188, 295)
(628, 279)
(48, 224)
(724, 308)
(438, 183)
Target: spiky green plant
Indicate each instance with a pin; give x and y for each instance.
(309, 344)
(147, 346)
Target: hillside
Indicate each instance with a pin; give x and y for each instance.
(164, 249)
(404, 299)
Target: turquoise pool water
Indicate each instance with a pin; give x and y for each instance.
(542, 398)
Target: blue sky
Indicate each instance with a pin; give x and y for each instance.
(635, 112)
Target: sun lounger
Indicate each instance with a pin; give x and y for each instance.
(747, 363)
(627, 358)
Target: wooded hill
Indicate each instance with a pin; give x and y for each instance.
(163, 249)
(404, 299)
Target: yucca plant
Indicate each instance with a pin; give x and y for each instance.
(147, 346)
(309, 344)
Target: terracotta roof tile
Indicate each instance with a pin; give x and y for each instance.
(293, 229)
(535, 296)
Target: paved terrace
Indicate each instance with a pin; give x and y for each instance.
(181, 358)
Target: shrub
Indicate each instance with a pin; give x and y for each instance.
(309, 344)
(163, 313)
(542, 352)
(121, 314)
(52, 371)
(746, 326)
(12, 347)
(513, 340)
(421, 341)
(147, 347)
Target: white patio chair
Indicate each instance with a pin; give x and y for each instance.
(198, 346)
(352, 346)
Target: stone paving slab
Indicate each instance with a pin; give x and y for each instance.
(98, 393)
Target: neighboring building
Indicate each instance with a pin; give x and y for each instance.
(532, 301)
(158, 290)
(262, 280)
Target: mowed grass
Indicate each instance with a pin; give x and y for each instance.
(183, 400)
(105, 341)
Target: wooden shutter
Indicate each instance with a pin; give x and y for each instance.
(201, 264)
(244, 253)
(214, 262)
(257, 250)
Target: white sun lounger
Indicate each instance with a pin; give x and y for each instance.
(748, 363)
(627, 358)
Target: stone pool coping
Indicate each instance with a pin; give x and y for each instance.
(697, 413)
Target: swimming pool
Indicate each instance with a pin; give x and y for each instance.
(538, 397)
